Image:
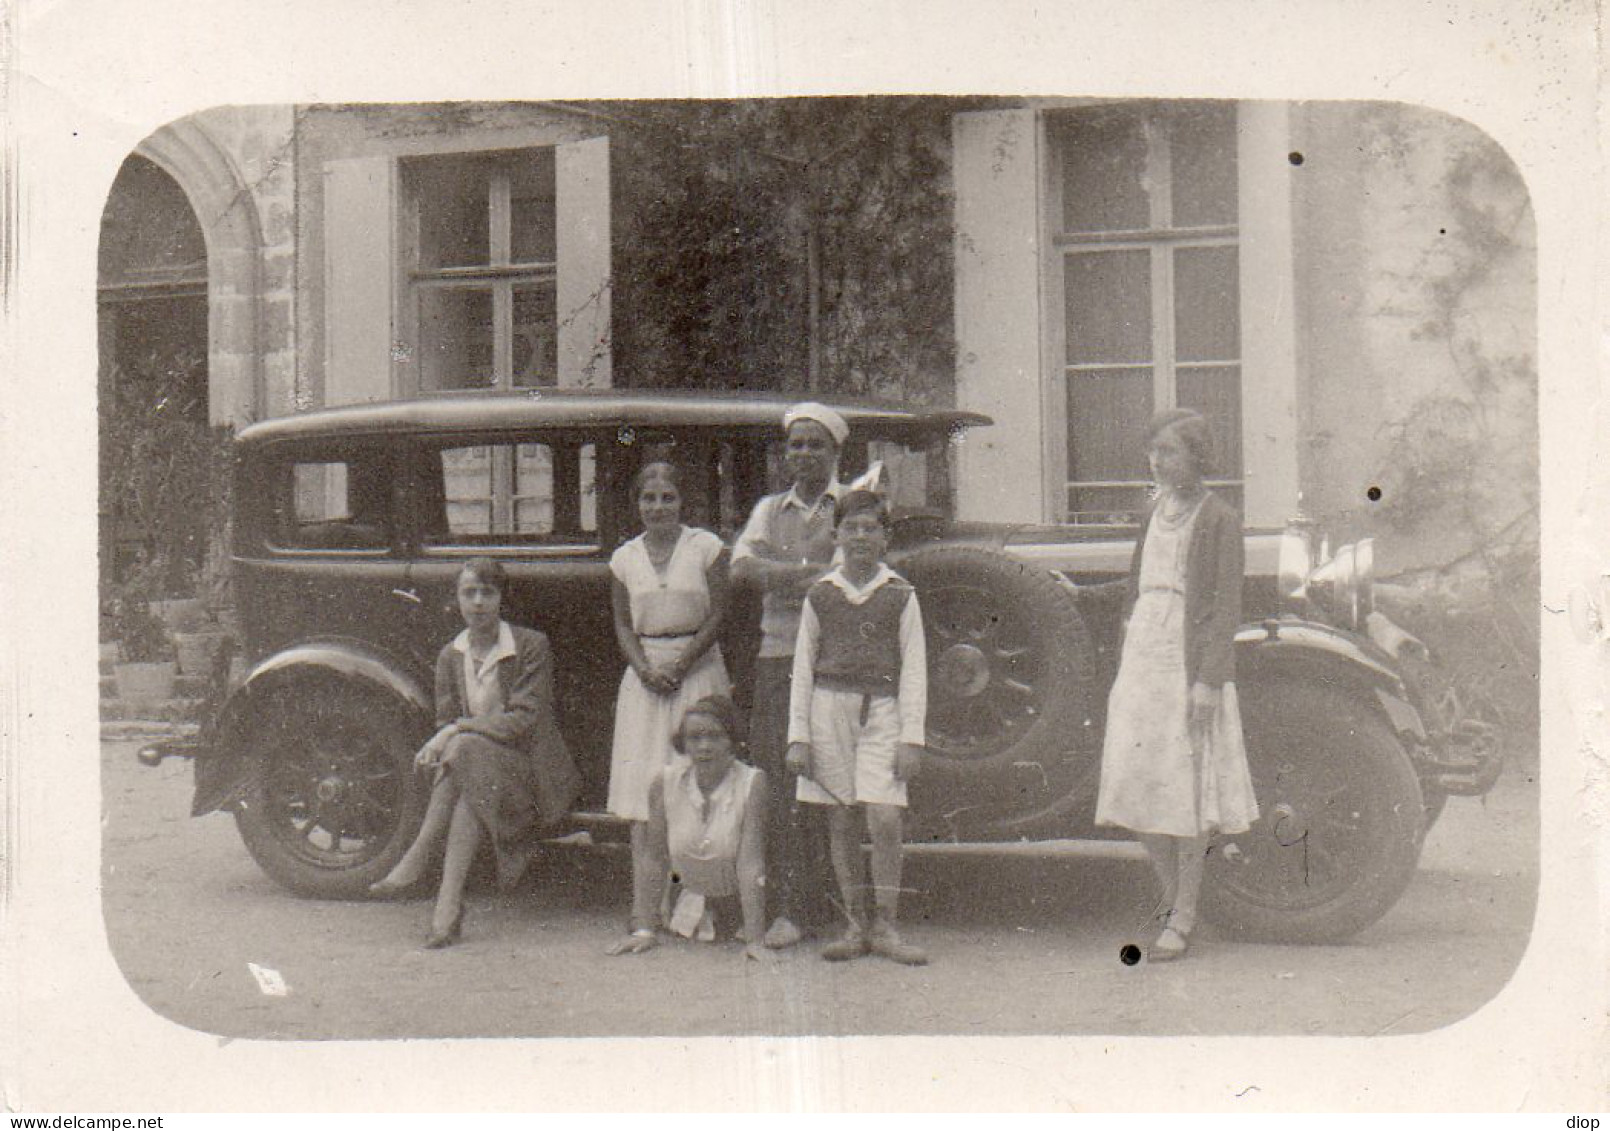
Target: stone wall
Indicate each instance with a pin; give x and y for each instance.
(1416, 278)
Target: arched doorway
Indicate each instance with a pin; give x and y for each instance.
(152, 304)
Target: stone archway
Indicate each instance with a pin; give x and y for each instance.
(226, 207)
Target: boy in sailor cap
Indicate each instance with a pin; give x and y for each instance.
(785, 548)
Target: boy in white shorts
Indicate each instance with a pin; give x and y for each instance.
(856, 714)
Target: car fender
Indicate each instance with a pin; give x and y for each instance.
(1320, 651)
(222, 769)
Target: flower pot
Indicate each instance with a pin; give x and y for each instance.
(198, 651)
(145, 683)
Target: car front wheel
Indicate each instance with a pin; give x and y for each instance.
(1340, 823)
(334, 799)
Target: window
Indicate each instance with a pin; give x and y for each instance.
(482, 292)
(1145, 232)
(333, 505)
(519, 494)
(464, 270)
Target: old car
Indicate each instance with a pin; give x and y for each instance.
(351, 523)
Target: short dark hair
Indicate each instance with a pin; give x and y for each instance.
(718, 707)
(857, 501)
(656, 469)
(1194, 432)
(488, 571)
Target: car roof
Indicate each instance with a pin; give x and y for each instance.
(643, 408)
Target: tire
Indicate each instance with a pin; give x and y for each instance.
(1435, 804)
(1340, 824)
(1009, 666)
(334, 799)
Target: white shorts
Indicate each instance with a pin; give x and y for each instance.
(850, 762)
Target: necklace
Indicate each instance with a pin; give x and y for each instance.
(659, 555)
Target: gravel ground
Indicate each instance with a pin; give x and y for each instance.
(1023, 942)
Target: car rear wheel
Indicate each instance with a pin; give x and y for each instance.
(1009, 666)
(334, 799)
(1340, 824)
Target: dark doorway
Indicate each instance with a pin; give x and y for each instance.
(153, 347)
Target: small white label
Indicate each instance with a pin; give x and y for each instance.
(268, 981)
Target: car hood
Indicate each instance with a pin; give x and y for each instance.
(1086, 551)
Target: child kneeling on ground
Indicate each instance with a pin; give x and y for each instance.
(856, 714)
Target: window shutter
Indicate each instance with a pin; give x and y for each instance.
(582, 190)
(998, 329)
(359, 268)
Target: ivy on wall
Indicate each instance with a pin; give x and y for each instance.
(1463, 455)
(800, 244)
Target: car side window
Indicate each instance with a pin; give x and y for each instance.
(526, 494)
(333, 504)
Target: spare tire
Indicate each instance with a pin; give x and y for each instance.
(1009, 669)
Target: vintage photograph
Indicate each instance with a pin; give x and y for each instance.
(825, 566)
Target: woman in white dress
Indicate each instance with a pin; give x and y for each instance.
(669, 594)
(1173, 764)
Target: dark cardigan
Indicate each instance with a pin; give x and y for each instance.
(527, 722)
(1214, 565)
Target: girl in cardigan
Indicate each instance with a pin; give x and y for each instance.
(501, 768)
(1173, 766)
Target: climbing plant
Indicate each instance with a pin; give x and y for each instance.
(785, 244)
(1455, 459)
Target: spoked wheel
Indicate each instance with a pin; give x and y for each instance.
(336, 800)
(1340, 819)
(1009, 664)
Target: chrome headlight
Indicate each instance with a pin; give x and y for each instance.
(1345, 585)
(1296, 563)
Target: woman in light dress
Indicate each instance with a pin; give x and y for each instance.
(669, 594)
(1173, 765)
(706, 827)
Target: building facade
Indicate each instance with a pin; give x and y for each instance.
(1346, 290)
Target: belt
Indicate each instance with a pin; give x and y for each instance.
(829, 683)
(665, 635)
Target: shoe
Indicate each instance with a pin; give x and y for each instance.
(853, 944)
(389, 888)
(783, 933)
(1170, 946)
(441, 940)
(885, 941)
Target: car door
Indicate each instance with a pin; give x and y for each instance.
(531, 502)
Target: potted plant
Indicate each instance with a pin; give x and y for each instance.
(165, 472)
(146, 672)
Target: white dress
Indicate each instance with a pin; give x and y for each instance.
(704, 835)
(668, 606)
(1154, 779)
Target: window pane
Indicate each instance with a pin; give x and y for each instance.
(536, 335)
(1108, 411)
(452, 195)
(531, 207)
(1215, 392)
(335, 505)
(1107, 295)
(907, 471)
(321, 492)
(1115, 506)
(455, 338)
(467, 486)
(1207, 312)
(1203, 144)
(589, 488)
(1103, 173)
(533, 489)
